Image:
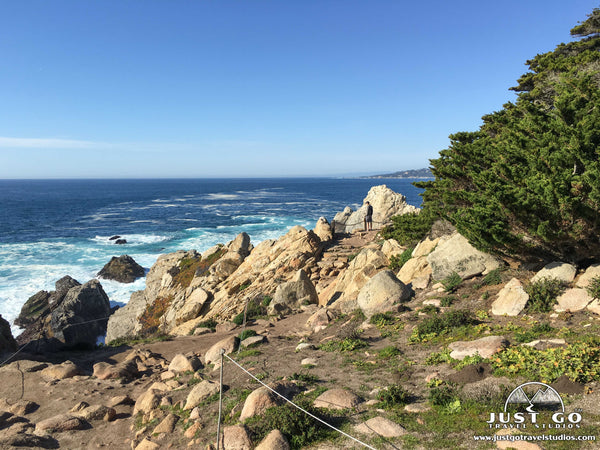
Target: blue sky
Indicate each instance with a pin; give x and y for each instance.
(149, 88)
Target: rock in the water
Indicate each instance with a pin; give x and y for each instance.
(511, 299)
(455, 254)
(484, 347)
(337, 399)
(382, 293)
(120, 241)
(292, 295)
(123, 269)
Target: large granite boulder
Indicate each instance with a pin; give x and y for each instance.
(557, 270)
(34, 308)
(511, 299)
(386, 204)
(290, 296)
(123, 269)
(455, 254)
(382, 293)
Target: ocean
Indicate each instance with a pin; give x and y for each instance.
(53, 228)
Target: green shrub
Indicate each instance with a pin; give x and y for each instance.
(594, 287)
(381, 320)
(543, 294)
(443, 395)
(441, 324)
(393, 396)
(535, 332)
(397, 261)
(447, 301)
(389, 352)
(256, 307)
(451, 282)
(300, 429)
(348, 344)
(247, 333)
(430, 309)
(409, 229)
(492, 278)
(579, 361)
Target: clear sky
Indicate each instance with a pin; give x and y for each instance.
(207, 88)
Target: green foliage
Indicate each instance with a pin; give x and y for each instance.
(389, 352)
(593, 287)
(452, 282)
(534, 332)
(528, 181)
(409, 229)
(247, 333)
(150, 319)
(304, 377)
(348, 344)
(443, 395)
(256, 308)
(300, 429)
(447, 301)
(442, 324)
(429, 309)
(210, 323)
(381, 320)
(579, 361)
(543, 294)
(492, 278)
(397, 261)
(131, 341)
(393, 396)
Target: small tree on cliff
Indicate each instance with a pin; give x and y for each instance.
(528, 181)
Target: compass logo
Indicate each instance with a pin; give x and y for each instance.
(524, 405)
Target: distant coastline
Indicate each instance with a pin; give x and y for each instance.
(408, 174)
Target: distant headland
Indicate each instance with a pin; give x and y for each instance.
(412, 173)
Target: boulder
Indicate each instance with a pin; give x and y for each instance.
(124, 321)
(386, 204)
(455, 254)
(146, 402)
(391, 248)
(416, 272)
(557, 270)
(323, 230)
(97, 412)
(63, 422)
(213, 355)
(182, 363)
(236, 437)
(337, 399)
(511, 299)
(320, 319)
(292, 295)
(573, 300)
(484, 347)
(275, 440)
(590, 273)
(192, 306)
(82, 315)
(125, 370)
(199, 393)
(349, 282)
(123, 269)
(382, 427)
(382, 293)
(167, 425)
(61, 371)
(425, 247)
(257, 403)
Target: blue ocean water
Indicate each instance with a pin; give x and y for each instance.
(52, 228)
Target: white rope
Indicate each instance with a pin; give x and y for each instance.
(298, 407)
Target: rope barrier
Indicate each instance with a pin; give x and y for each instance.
(290, 402)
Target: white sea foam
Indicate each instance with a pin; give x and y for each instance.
(222, 196)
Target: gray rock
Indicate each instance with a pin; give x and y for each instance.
(557, 270)
(323, 230)
(382, 293)
(337, 399)
(572, 300)
(455, 254)
(123, 269)
(291, 296)
(7, 341)
(484, 347)
(213, 355)
(236, 437)
(200, 392)
(63, 422)
(35, 307)
(511, 299)
(275, 440)
(382, 427)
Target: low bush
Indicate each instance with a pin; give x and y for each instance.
(543, 294)
(593, 287)
(442, 324)
(409, 229)
(393, 396)
(348, 344)
(397, 261)
(452, 282)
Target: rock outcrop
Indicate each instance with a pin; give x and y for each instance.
(290, 296)
(386, 204)
(74, 315)
(7, 341)
(123, 269)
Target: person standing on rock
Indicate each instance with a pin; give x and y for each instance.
(369, 217)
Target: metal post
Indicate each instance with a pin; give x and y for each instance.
(220, 401)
